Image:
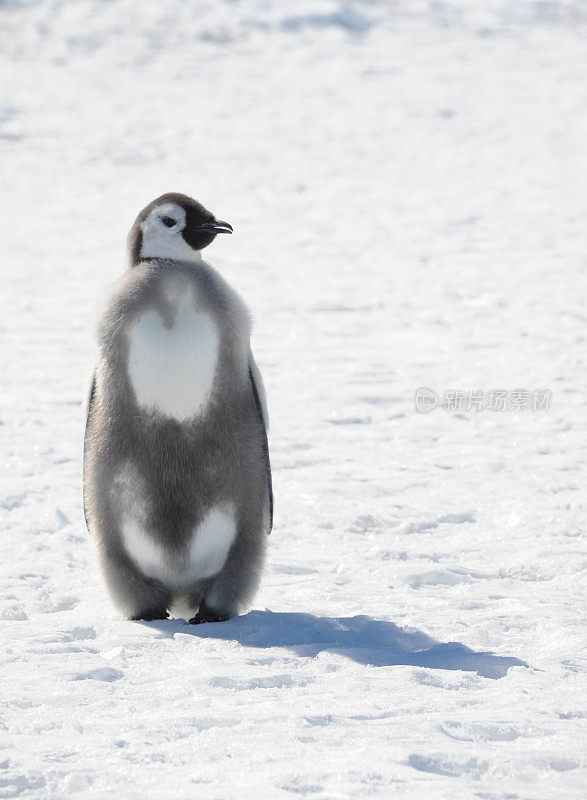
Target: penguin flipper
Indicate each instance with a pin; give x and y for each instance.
(261, 405)
(90, 398)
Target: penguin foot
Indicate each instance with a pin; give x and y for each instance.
(149, 616)
(205, 615)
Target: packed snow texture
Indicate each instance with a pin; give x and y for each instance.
(407, 182)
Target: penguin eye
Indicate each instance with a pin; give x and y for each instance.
(168, 221)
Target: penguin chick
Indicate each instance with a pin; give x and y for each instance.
(177, 479)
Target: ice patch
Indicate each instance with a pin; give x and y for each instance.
(417, 527)
(13, 611)
(46, 603)
(350, 421)
(107, 674)
(62, 519)
(75, 782)
(456, 519)
(365, 522)
(491, 732)
(14, 785)
(290, 569)
(444, 765)
(438, 578)
(270, 682)
(13, 501)
(77, 634)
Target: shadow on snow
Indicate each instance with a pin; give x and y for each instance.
(360, 638)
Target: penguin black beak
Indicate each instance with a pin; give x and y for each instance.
(216, 225)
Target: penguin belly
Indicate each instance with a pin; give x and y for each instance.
(172, 358)
(201, 555)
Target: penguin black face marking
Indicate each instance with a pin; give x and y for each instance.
(173, 227)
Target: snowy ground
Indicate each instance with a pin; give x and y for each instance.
(408, 188)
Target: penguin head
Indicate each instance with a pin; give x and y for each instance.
(173, 227)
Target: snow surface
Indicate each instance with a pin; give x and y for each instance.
(408, 187)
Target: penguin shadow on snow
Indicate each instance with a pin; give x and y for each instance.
(362, 639)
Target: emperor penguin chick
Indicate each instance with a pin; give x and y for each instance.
(177, 480)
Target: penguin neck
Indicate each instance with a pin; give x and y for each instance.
(195, 257)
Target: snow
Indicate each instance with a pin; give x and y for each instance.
(407, 185)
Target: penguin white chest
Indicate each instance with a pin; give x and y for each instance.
(172, 362)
